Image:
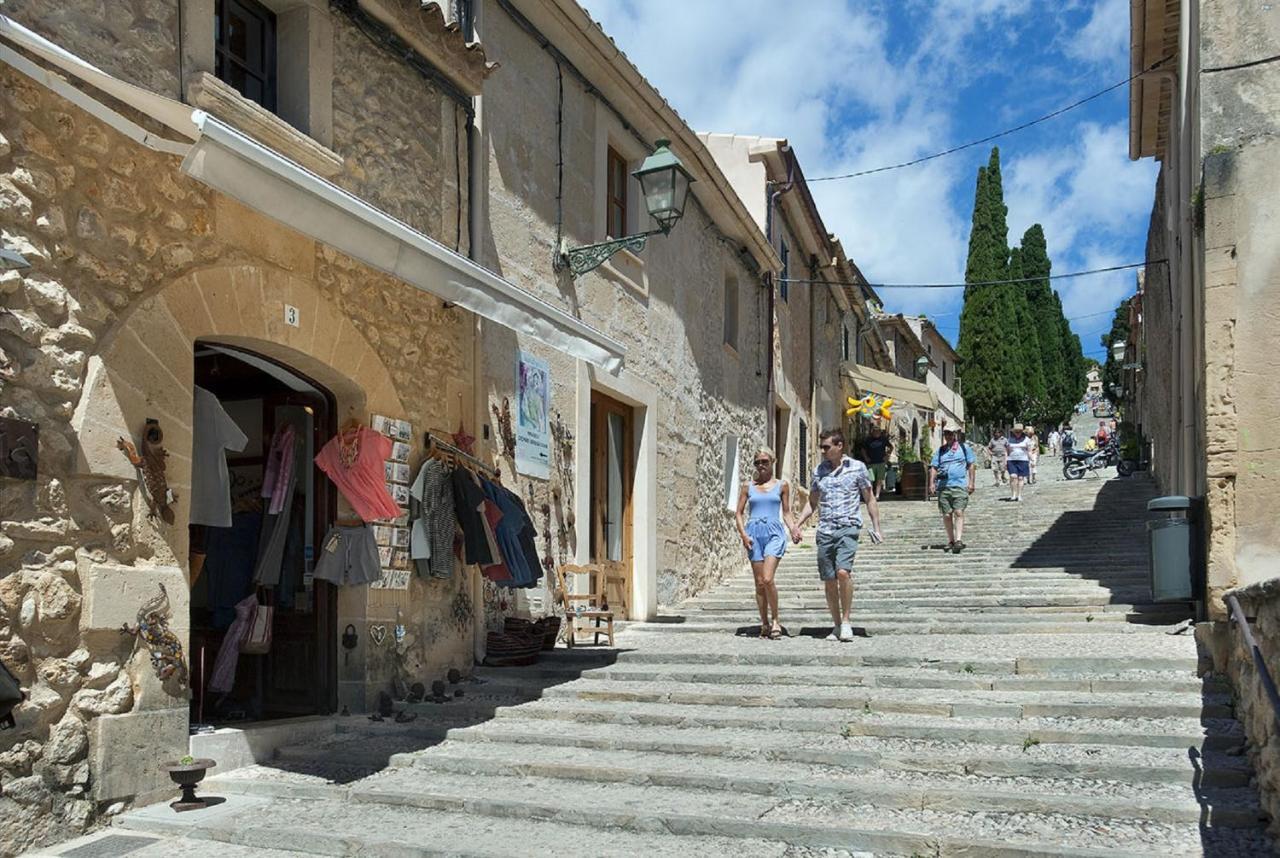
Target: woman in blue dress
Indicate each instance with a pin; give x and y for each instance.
(763, 507)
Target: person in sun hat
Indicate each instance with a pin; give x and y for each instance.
(1019, 446)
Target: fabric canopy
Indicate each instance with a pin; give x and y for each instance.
(234, 164)
(901, 390)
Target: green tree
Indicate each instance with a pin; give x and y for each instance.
(992, 392)
(1058, 398)
(1030, 362)
(1112, 374)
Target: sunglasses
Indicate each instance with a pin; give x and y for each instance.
(762, 463)
(826, 447)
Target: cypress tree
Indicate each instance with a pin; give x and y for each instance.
(1044, 313)
(989, 356)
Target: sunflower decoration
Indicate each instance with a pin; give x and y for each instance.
(886, 408)
(855, 407)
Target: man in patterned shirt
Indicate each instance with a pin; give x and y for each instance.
(839, 487)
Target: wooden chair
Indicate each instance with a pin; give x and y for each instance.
(592, 602)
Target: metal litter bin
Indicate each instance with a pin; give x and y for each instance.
(1169, 547)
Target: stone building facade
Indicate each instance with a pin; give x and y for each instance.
(281, 247)
(562, 108)
(1205, 102)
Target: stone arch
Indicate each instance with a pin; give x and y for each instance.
(145, 369)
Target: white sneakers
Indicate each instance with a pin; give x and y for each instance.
(843, 632)
(835, 634)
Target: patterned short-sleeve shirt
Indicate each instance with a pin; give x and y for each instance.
(839, 491)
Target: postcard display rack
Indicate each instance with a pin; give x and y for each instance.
(392, 535)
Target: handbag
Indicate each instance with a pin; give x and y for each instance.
(257, 637)
(10, 696)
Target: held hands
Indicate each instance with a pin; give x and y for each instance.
(795, 535)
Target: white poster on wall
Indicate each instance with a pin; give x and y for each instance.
(533, 427)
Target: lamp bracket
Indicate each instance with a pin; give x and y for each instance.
(580, 260)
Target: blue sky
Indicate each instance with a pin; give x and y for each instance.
(856, 85)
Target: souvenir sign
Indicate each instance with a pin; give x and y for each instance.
(533, 428)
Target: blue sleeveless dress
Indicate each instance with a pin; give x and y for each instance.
(764, 522)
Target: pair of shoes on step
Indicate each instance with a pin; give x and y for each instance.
(955, 546)
(842, 632)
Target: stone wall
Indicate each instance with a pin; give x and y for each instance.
(665, 306)
(131, 262)
(1157, 402)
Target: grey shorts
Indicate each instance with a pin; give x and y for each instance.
(836, 551)
(349, 556)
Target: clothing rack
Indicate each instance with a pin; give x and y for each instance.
(430, 441)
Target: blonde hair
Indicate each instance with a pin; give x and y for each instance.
(766, 451)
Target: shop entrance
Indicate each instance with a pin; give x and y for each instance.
(248, 407)
(612, 478)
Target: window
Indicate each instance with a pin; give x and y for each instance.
(731, 471)
(844, 342)
(857, 348)
(245, 49)
(786, 272)
(616, 201)
(804, 450)
(731, 310)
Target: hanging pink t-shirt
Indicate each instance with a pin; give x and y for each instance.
(364, 482)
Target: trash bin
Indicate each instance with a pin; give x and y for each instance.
(1169, 547)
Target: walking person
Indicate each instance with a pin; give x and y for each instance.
(953, 476)
(1019, 447)
(1033, 454)
(1054, 440)
(999, 458)
(839, 487)
(877, 448)
(764, 506)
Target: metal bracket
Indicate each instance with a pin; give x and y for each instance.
(580, 260)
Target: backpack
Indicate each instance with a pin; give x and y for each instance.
(10, 696)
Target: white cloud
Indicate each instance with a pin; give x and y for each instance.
(1105, 38)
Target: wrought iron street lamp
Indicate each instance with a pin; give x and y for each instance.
(1117, 350)
(664, 182)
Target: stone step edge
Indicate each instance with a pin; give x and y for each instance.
(1023, 666)
(921, 760)
(898, 731)
(813, 836)
(968, 799)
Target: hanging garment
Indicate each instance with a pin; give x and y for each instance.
(349, 556)
(432, 512)
(497, 572)
(228, 566)
(275, 532)
(468, 501)
(509, 536)
(224, 668)
(279, 471)
(356, 463)
(213, 434)
(528, 542)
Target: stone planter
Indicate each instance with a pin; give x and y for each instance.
(187, 775)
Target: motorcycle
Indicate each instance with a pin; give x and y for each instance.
(1077, 463)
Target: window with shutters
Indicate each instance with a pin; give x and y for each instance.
(616, 190)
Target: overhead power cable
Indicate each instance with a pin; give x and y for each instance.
(1106, 270)
(1248, 65)
(1061, 110)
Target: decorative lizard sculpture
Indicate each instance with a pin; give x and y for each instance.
(159, 496)
(153, 631)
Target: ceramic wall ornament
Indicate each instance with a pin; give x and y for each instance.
(378, 634)
(151, 464)
(886, 409)
(153, 632)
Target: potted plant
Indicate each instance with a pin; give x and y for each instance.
(186, 773)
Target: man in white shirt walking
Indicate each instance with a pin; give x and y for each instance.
(839, 487)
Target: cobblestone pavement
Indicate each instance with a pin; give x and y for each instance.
(1023, 698)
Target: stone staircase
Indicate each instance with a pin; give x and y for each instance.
(1023, 698)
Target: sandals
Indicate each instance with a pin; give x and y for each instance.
(775, 633)
(764, 632)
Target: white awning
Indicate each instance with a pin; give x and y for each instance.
(236, 165)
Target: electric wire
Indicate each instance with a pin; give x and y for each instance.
(998, 134)
(1235, 66)
(1069, 274)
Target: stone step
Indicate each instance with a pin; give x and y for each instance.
(336, 825)
(827, 822)
(1143, 731)
(870, 597)
(954, 703)
(1129, 764)
(818, 653)
(819, 626)
(117, 842)
(927, 606)
(909, 613)
(787, 675)
(1105, 797)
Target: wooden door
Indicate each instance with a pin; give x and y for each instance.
(612, 481)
